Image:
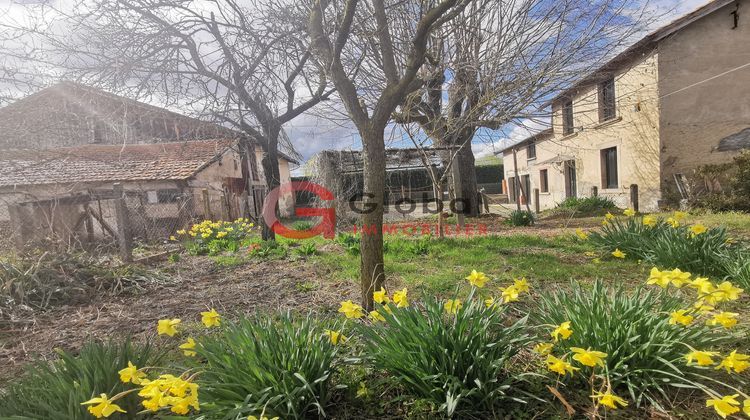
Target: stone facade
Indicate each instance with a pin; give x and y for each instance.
(677, 94)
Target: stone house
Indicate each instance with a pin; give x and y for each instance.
(672, 102)
(71, 140)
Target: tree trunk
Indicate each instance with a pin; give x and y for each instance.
(372, 274)
(469, 189)
(270, 164)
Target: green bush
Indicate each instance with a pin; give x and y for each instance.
(587, 204)
(521, 218)
(645, 354)
(277, 366)
(461, 362)
(268, 250)
(55, 391)
(349, 242)
(734, 177)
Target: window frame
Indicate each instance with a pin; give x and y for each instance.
(568, 125)
(529, 147)
(609, 167)
(543, 180)
(607, 100)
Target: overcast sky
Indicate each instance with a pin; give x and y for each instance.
(311, 134)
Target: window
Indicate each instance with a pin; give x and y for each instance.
(607, 100)
(543, 181)
(567, 118)
(609, 168)
(531, 151)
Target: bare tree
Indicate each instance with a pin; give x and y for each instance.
(247, 64)
(373, 53)
(496, 62)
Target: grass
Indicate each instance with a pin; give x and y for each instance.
(548, 260)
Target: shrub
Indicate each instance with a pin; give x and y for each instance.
(586, 206)
(55, 391)
(268, 249)
(459, 362)
(214, 238)
(303, 225)
(521, 218)
(645, 353)
(734, 178)
(275, 366)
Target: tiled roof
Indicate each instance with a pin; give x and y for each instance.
(108, 163)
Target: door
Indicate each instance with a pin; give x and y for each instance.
(571, 189)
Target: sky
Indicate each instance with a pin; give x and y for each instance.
(310, 133)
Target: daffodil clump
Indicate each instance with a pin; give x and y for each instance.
(455, 352)
(631, 345)
(214, 237)
(671, 242)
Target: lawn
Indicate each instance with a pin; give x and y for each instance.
(394, 372)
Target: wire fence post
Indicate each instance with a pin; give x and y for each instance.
(123, 228)
(206, 205)
(634, 197)
(536, 200)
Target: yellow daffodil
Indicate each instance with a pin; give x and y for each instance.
(581, 234)
(400, 298)
(726, 291)
(588, 357)
(452, 306)
(725, 319)
(562, 331)
(605, 222)
(681, 317)
(609, 400)
(746, 407)
(735, 361)
(102, 406)
(381, 297)
(703, 358)
(131, 374)
(609, 216)
(351, 309)
(336, 337)
(702, 285)
(703, 307)
(659, 278)
(679, 278)
(649, 221)
(629, 212)
(697, 229)
(477, 279)
(187, 347)
(726, 406)
(618, 254)
(680, 215)
(509, 294)
(167, 326)
(181, 232)
(172, 238)
(211, 318)
(489, 302)
(673, 222)
(543, 349)
(376, 316)
(559, 366)
(521, 285)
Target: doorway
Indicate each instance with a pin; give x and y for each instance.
(571, 189)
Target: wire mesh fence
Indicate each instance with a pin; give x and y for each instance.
(114, 217)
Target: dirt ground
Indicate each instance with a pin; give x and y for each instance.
(197, 284)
